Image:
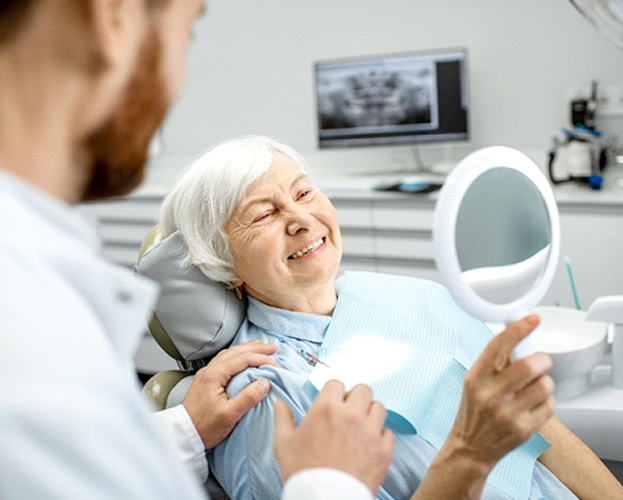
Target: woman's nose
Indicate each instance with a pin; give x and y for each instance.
(298, 219)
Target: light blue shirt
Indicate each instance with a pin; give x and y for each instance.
(245, 464)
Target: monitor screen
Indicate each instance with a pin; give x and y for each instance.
(393, 99)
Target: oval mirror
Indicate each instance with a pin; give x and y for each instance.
(497, 236)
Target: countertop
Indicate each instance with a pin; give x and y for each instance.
(360, 185)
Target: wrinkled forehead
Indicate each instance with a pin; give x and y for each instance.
(283, 174)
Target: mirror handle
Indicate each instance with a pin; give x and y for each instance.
(524, 349)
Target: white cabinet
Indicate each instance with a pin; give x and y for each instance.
(386, 232)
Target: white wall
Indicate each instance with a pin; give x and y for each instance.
(250, 69)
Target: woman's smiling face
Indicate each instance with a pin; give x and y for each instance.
(285, 239)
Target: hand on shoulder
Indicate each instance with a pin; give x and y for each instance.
(213, 413)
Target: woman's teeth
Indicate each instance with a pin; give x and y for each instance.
(307, 249)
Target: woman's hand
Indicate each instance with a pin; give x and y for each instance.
(340, 431)
(502, 405)
(212, 412)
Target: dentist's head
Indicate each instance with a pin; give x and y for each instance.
(88, 82)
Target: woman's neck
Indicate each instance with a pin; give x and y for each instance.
(317, 300)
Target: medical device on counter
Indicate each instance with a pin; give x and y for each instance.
(579, 156)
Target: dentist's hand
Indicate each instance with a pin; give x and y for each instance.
(340, 431)
(212, 412)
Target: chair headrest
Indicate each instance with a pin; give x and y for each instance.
(199, 316)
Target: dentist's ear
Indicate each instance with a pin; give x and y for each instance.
(118, 27)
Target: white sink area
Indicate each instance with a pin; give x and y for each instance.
(576, 347)
(586, 402)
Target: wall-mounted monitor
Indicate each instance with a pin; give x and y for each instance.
(393, 99)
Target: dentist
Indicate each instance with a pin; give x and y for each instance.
(84, 84)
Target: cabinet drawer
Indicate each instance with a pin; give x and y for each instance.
(357, 264)
(122, 224)
(407, 246)
(409, 218)
(354, 215)
(357, 244)
(414, 269)
(132, 233)
(128, 210)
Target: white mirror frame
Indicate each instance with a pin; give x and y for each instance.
(444, 232)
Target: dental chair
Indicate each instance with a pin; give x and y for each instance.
(194, 317)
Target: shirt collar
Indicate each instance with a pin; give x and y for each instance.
(282, 323)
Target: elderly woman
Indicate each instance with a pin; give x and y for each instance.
(253, 219)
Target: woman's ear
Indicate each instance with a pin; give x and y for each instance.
(237, 287)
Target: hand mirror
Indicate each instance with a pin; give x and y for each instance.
(497, 236)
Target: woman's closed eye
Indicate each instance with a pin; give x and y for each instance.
(304, 194)
(263, 216)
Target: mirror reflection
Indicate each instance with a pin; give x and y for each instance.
(502, 250)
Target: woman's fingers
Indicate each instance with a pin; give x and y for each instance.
(525, 371)
(503, 403)
(496, 355)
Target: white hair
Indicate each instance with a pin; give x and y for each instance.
(207, 193)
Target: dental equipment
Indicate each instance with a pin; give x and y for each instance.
(610, 310)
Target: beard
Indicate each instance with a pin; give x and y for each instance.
(114, 157)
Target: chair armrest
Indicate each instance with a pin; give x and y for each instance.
(161, 384)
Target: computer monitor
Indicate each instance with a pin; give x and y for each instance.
(393, 99)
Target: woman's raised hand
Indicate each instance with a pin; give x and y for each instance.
(502, 405)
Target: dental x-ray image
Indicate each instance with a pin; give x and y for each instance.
(378, 96)
(392, 98)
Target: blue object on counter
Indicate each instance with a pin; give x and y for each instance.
(410, 186)
(413, 186)
(595, 181)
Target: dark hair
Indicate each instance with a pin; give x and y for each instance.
(13, 14)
